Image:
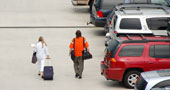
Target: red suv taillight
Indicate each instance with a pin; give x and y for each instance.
(99, 13)
(115, 31)
(108, 60)
(112, 62)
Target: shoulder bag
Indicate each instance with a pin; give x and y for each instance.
(85, 52)
(34, 58)
(72, 52)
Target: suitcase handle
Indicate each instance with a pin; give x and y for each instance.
(48, 62)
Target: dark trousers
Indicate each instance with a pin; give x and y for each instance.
(78, 65)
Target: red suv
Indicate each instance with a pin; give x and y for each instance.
(128, 56)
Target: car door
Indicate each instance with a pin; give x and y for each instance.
(131, 55)
(158, 56)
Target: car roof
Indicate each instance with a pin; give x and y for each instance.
(157, 75)
(142, 10)
(136, 39)
(143, 13)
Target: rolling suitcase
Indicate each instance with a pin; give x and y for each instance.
(48, 73)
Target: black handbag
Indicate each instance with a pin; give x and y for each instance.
(85, 53)
(72, 55)
(34, 58)
(72, 52)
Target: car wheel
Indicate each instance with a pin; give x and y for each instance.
(131, 78)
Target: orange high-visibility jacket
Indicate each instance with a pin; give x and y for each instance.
(78, 48)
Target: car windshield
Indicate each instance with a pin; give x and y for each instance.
(158, 23)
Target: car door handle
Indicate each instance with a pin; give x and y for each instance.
(150, 62)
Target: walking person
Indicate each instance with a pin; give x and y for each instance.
(78, 45)
(41, 54)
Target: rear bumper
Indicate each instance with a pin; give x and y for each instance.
(98, 22)
(111, 73)
(75, 3)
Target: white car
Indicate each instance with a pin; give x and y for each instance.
(154, 80)
(140, 19)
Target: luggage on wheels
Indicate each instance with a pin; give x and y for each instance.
(48, 72)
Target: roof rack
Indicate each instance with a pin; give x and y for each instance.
(135, 6)
(133, 13)
(144, 39)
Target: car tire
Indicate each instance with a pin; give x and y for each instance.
(130, 78)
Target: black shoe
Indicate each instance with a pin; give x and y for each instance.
(76, 76)
(80, 77)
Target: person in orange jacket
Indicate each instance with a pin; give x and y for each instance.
(77, 45)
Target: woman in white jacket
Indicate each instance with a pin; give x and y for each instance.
(41, 54)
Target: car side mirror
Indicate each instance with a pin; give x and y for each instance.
(108, 35)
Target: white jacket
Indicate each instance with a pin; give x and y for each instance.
(41, 52)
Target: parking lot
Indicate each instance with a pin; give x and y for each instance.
(22, 22)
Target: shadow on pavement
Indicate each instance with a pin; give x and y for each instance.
(99, 32)
(81, 9)
(114, 84)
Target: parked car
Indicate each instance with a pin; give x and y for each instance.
(163, 2)
(82, 3)
(110, 16)
(154, 80)
(129, 55)
(100, 11)
(139, 19)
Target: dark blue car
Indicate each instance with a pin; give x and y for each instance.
(101, 9)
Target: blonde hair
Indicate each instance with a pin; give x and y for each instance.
(41, 39)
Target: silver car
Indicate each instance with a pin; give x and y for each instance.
(154, 80)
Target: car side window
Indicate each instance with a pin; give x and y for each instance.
(159, 51)
(132, 50)
(157, 23)
(130, 23)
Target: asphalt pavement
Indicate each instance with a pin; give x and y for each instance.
(21, 24)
